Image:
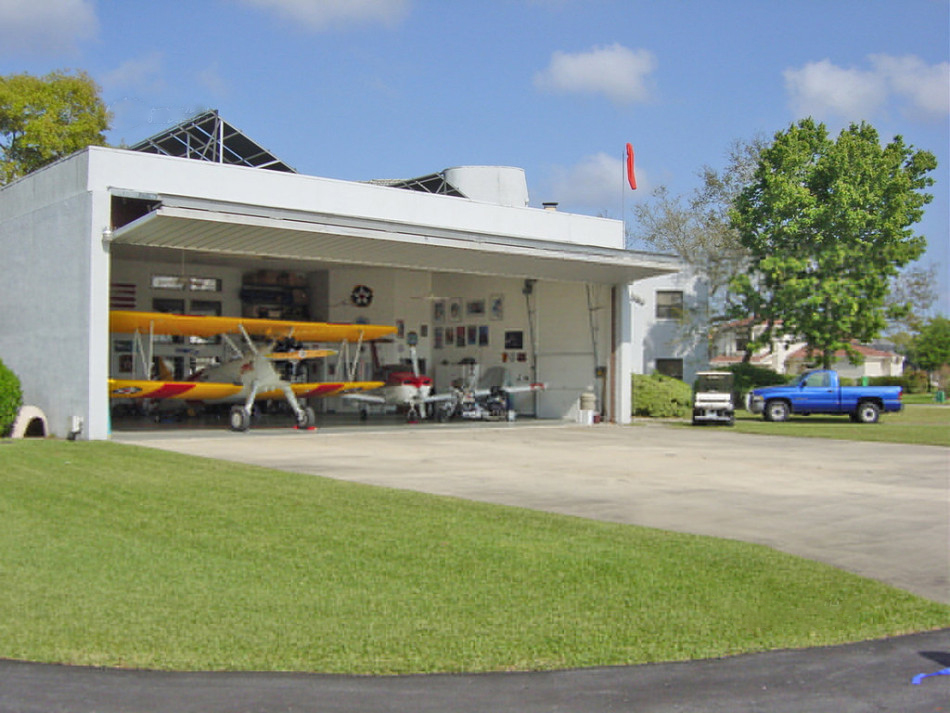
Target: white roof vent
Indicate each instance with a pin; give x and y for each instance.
(501, 185)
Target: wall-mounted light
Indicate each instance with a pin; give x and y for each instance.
(106, 236)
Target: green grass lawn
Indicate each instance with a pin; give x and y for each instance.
(918, 424)
(119, 556)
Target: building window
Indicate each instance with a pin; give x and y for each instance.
(669, 305)
(670, 367)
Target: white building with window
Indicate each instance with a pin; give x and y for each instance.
(666, 343)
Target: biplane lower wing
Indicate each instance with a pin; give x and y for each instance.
(212, 391)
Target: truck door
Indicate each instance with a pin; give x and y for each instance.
(818, 394)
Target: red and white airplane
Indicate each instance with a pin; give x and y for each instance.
(403, 388)
(252, 375)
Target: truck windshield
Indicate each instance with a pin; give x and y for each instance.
(814, 380)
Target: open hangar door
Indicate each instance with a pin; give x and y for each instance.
(519, 330)
(538, 311)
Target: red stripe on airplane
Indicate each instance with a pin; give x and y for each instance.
(322, 389)
(170, 390)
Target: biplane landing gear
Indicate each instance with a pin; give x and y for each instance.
(307, 419)
(239, 419)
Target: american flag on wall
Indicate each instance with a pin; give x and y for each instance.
(122, 295)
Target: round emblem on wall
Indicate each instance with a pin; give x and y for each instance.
(361, 296)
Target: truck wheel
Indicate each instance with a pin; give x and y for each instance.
(868, 412)
(776, 411)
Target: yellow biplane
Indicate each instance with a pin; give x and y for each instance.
(251, 375)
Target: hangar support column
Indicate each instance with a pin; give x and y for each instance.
(622, 355)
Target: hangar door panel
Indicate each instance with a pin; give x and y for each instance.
(567, 377)
(571, 318)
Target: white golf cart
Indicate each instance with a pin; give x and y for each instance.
(712, 398)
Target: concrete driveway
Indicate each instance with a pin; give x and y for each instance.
(879, 510)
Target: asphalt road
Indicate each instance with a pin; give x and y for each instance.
(871, 677)
(879, 510)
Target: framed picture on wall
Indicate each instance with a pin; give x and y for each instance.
(449, 336)
(460, 336)
(472, 334)
(437, 338)
(514, 339)
(483, 335)
(475, 308)
(438, 311)
(496, 307)
(455, 309)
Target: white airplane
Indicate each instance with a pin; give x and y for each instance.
(404, 389)
(252, 374)
(413, 391)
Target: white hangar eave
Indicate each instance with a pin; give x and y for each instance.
(219, 232)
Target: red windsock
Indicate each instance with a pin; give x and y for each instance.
(631, 176)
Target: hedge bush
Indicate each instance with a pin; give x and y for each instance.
(913, 382)
(659, 396)
(11, 398)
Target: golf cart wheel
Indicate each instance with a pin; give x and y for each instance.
(776, 411)
(868, 412)
(239, 419)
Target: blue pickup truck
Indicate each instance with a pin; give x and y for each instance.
(820, 392)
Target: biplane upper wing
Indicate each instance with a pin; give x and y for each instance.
(184, 325)
(213, 391)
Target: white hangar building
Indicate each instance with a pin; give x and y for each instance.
(456, 259)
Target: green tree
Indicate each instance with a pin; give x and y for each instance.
(828, 224)
(931, 347)
(45, 118)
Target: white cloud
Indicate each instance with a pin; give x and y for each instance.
(925, 87)
(821, 88)
(322, 14)
(596, 185)
(45, 26)
(620, 73)
(144, 75)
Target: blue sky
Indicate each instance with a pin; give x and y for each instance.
(360, 89)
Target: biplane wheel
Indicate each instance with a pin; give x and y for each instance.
(239, 419)
(309, 419)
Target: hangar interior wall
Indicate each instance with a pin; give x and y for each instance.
(544, 336)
